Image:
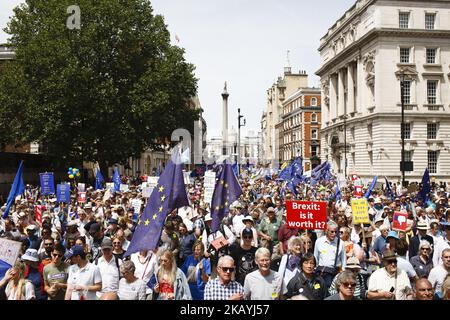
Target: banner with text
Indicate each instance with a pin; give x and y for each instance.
(360, 211)
(9, 250)
(209, 184)
(63, 192)
(306, 214)
(47, 183)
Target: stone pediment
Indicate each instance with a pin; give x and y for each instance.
(409, 72)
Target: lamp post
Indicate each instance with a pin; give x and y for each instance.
(239, 135)
(402, 129)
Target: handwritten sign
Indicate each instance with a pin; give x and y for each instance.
(306, 214)
(9, 250)
(360, 211)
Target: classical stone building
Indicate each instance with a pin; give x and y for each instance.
(300, 127)
(284, 87)
(365, 56)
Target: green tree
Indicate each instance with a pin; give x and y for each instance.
(104, 92)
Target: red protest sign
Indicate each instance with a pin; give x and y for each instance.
(357, 191)
(81, 197)
(306, 214)
(399, 222)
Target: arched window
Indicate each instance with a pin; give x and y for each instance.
(314, 117)
(313, 102)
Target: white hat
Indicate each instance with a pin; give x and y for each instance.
(377, 200)
(22, 214)
(88, 206)
(208, 217)
(31, 255)
(31, 227)
(248, 218)
(379, 219)
(422, 225)
(72, 223)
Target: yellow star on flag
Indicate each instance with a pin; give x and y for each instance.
(160, 209)
(154, 216)
(226, 185)
(222, 182)
(147, 222)
(161, 189)
(162, 198)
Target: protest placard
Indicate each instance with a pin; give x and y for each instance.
(357, 191)
(81, 197)
(63, 192)
(124, 187)
(399, 222)
(209, 185)
(9, 250)
(47, 183)
(136, 203)
(306, 214)
(146, 192)
(81, 187)
(360, 211)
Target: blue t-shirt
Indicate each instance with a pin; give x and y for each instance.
(198, 288)
(35, 277)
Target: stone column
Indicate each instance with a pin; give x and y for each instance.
(341, 93)
(333, 97)
(350, 89)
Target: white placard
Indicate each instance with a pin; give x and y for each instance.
(146, 192)
(187, 177)
(124, 187)
(209, 184)
(110, 185)
(152, 181)
(136, 203)
(9, 250)
(81, 187)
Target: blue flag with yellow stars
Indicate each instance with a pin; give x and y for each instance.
(169, 194)
(116, 180)
(226, 191)
(99, 180)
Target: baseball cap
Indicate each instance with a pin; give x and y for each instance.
(74, 251)
(247, 232)
(106, 243)
(94, 228)
(393, 234)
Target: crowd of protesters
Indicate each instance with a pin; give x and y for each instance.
(76, 251)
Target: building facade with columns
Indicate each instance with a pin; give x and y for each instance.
(365, 56)
(300, 123)
(284, 87)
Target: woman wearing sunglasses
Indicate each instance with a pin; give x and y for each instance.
(345, 284)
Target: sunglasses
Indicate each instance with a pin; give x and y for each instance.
(349, 284)
(426, 249)
(392, 261)
(226, 269)
(48, 244)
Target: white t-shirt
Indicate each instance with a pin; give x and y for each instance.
(258, 287)
(132, 291)
(11, 293)
(110, 275)
(144, 271)
(437, 276)
(87, 276)
(380, 280)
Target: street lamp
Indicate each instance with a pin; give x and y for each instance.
(402, 129)
(239, 135)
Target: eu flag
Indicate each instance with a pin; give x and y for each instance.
(17, 188)
(226, 191)
(369, 191)
(99, 180)
(169, 194)
(116, 180)
(389, 192)
(338, 190)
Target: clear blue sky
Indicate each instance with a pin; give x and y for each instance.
(243, 42)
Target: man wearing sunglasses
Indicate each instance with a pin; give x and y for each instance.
(56, 274)
(223, 287)
(389, 282)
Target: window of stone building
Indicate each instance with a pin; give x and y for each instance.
(430, 19)
(407, 130)
(314, 117)
(431, 55)
(408, 155)
(405, 55)
(432, 130)
(352, 133)
(314, 151)
(432, 161)
(313, 102)
(403, 20)
(369, 130)
(406, 92)
(432, 91)
(314, 134)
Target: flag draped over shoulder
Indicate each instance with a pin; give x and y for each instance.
(426, 188)
(226, 191)
(17, 188)
(116, 180)
(369, 191)
(169, 194)
(99, 180)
